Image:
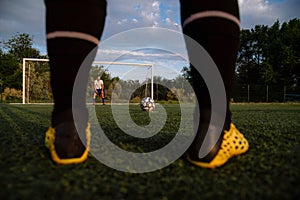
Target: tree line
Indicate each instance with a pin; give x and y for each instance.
(20, 46)
(268, 55)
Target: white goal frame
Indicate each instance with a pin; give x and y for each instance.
(132, 65)
(95, 62)
(24, 65)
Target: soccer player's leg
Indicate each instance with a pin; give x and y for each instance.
(216, 26)
(94, 97)
(73, 30)
(102, 97)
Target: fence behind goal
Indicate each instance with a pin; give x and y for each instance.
(266, 93)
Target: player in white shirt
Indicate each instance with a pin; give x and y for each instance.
(99, 89)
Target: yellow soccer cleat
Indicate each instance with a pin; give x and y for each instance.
(69, 150)
(234, 143)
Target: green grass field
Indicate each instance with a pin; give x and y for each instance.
(270, 169)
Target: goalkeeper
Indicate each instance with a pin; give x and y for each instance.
(98, 90)
(73, 29)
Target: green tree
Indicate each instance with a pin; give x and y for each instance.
(21, 46)
(187, 74)
(246, 65)
(10, 72)
(270, 55)
(290, 34)
(11, 56)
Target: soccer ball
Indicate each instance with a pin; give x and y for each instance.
(147, 104)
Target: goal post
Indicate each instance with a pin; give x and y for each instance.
(24, 75)
(133, 65)
(29, 68)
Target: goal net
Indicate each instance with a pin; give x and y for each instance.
(123, 81)
(36, 81)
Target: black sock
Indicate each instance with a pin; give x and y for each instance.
(73, 30)
(207, 22)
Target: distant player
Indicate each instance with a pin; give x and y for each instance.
(99, 89)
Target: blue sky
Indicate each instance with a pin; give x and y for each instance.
(27, 16)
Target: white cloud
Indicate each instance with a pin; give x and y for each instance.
(29, 16)
(17, 16)
(263, 12)
(166, 64)
(155, 5)
(134, 20)
(153, 54)
(254, 6)
(168, 20)
(254, 12)
(140, 14)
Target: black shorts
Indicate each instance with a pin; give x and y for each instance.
(98, 91)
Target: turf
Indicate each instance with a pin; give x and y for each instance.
(270, 170)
